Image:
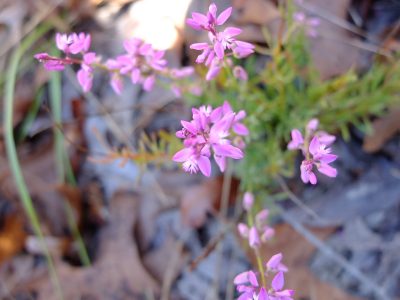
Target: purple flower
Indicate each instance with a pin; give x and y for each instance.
(52, 63)
(243, 230)
(310, 24)
(249, 288)
(63, 42)
(140, 62)
(80, 43)
(248, 201)
(210, 21)
(242, 49)
(297, 140)
(312, 126)
(85, 79)
(213, 53)
(306, 172)
(254, 238)
(238, 127)
(182, 73)
(317, 153)
(85, 74)
(321, 159)
(208, 133)
(275, 264)
(240, 73)
(117, 83)
(73, 43)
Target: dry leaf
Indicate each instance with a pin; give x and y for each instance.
(117, 272)
(258, 12)
(12, 236)
(197, 201)
(384, 129)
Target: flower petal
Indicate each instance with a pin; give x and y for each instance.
(224, 16)
(204, 165)
(314, 146)
(278, 281)
(327, 170)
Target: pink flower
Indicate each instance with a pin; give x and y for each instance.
(275, 265)
(310, 24)
(73, 43)
(297, 140)
(52, 63)
(63, 42)
(306, 172)
(210, 21)
(240, 73)
(312, 126)
(248, 201)
(317, 153)
(182, 73)
(208, 133)
(140, 62)
(321, 159)
(249, 288)
(254, 238)
(213, 53)
(117, 83)
(85, 74)
(80, 43)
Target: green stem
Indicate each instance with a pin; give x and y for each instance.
(63, 165)
(260, 267)
(12, 151)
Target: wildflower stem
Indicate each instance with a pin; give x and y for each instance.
(13, 157)
(260, 267)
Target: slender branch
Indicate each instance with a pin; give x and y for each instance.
(337, 258)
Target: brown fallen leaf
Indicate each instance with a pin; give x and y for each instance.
(12, 236)
(384, 129)
(166, 269)
(258, 12)
(39, 172)
(297, 252)
(199, 199)
(333, 52)
(117, 273)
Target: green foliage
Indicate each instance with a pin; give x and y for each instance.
(286, 93)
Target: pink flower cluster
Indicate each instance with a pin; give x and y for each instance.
(250, 287)
(213, 53)
(141, 62)
(315, 148)
(259, 232)
(209, 133)
(69, 44)
(310, 25)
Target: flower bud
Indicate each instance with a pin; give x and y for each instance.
(248, 201)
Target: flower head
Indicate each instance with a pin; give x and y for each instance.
(315, 148)
(248, 284)
(208, 133)
(220, 42)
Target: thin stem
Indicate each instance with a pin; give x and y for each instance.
(296, 200)
(12, 151)
(63, 165)
(260, 267)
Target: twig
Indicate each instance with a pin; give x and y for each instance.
(333, 19)
(168, 276)
(337, 258)
(212, 244)
(296, 200)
